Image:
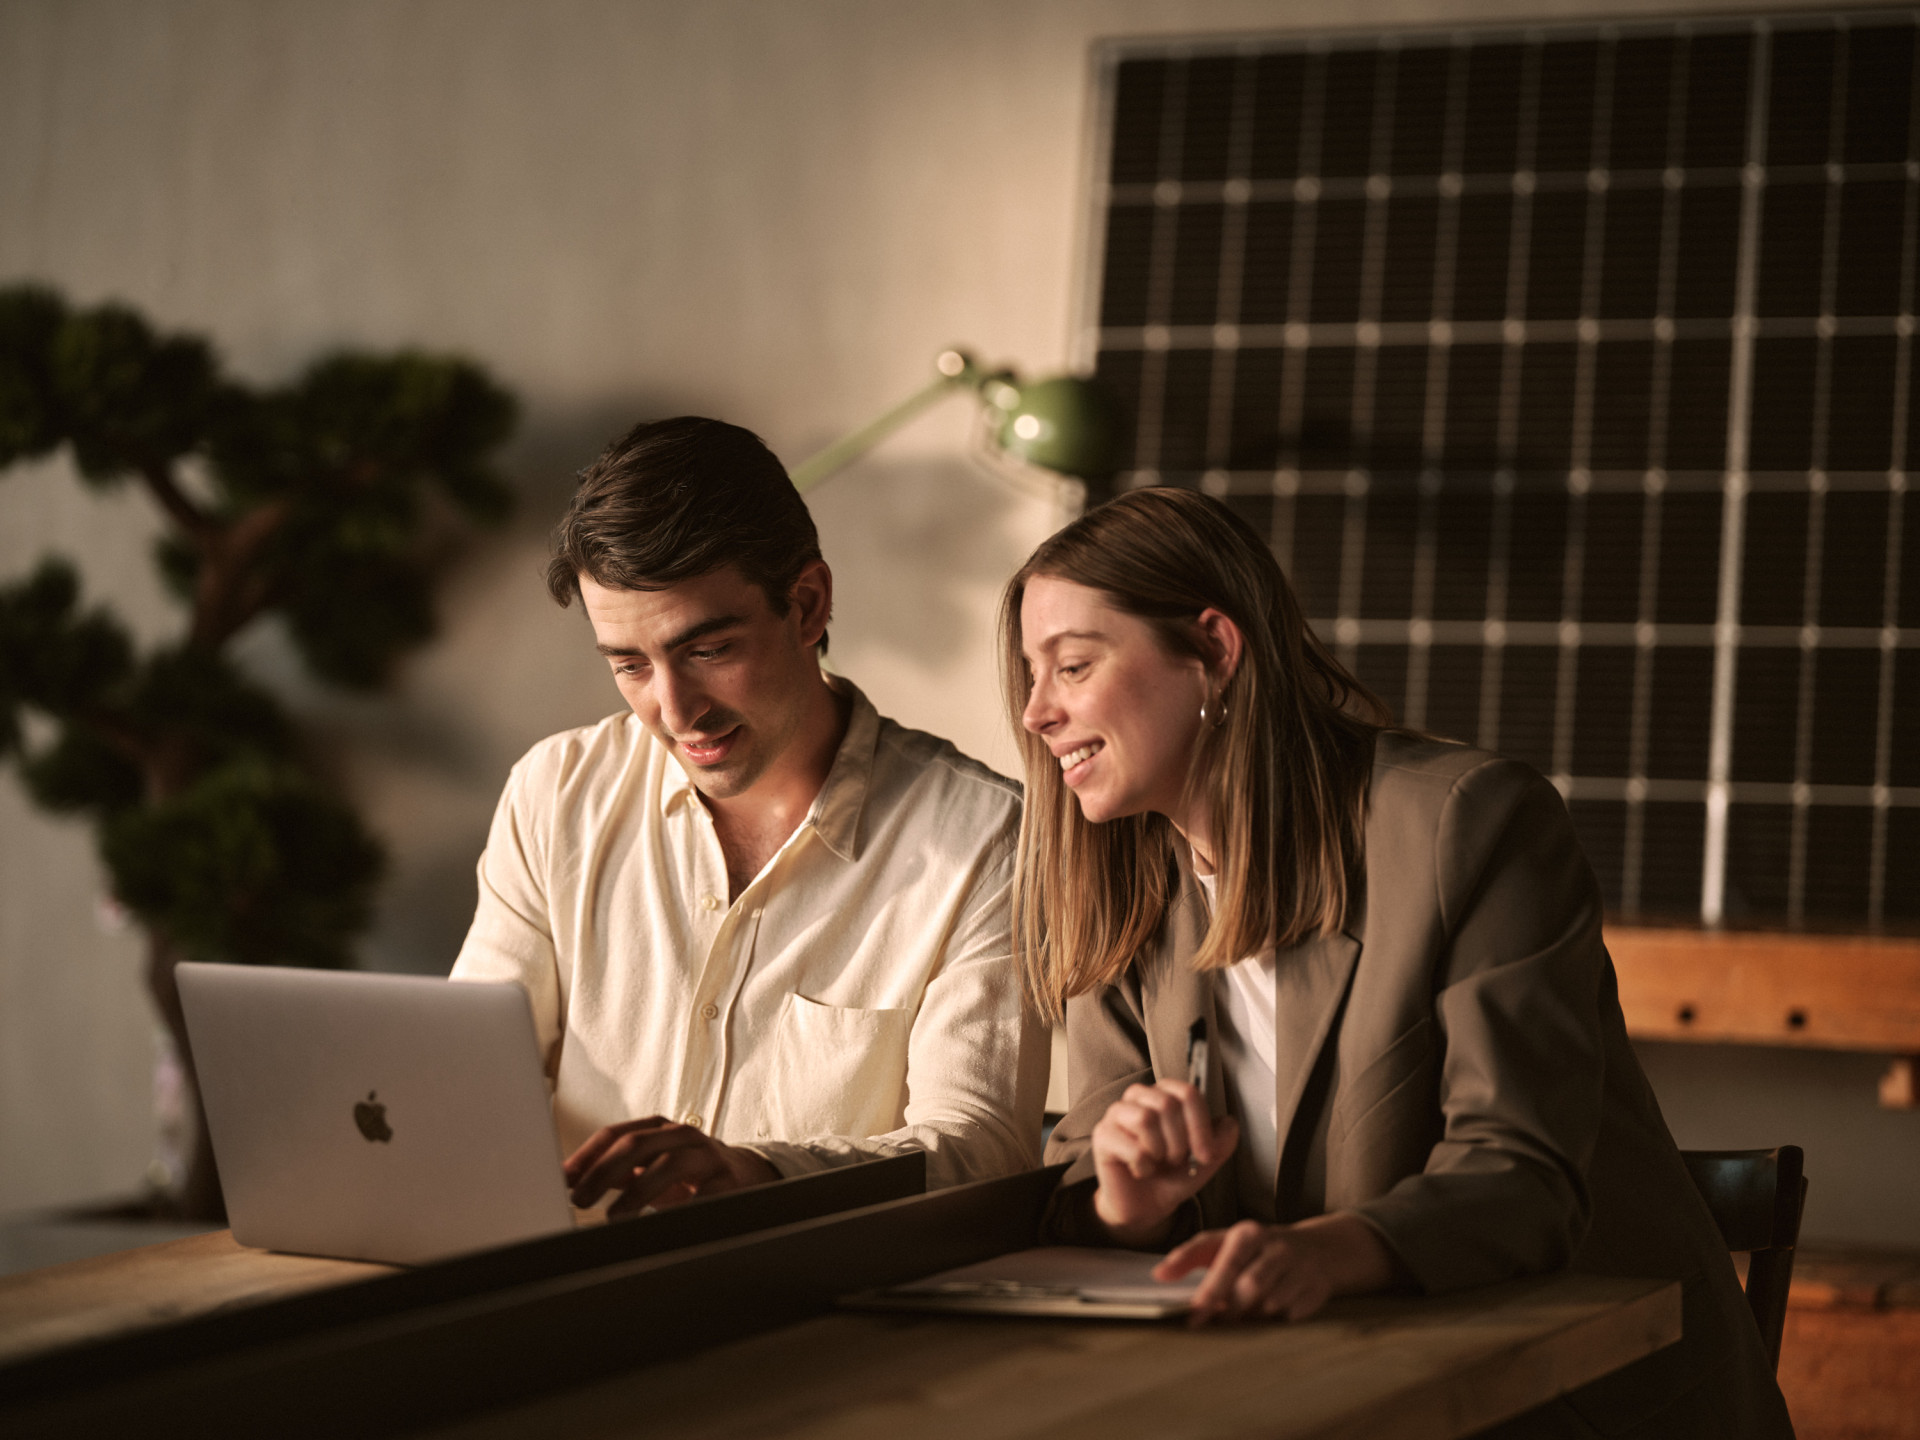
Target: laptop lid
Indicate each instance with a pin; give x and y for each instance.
(397, 1118)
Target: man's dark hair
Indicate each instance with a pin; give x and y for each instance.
(674, 499)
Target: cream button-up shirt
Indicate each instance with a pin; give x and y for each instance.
(856, 1000)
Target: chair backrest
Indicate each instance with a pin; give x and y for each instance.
(1756, 1197)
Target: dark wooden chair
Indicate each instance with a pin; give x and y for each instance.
(1756, 1197)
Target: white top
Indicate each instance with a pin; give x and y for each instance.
(856, 1000)
(1243, 1013)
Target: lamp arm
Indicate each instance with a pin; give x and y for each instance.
(813, 470)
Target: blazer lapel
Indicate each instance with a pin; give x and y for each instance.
(1310, 987)
(1311, 981)
(1174, 996)
(1177, 995)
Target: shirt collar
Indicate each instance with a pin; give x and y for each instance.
(835, 812)
(837, 808)
(675, 788)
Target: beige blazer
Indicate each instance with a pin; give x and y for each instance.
(1454, 1068)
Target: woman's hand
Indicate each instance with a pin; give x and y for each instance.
(1257, 1271)
(1154, 1148)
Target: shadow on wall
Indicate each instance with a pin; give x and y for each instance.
(920, 550)
(913, 543)
(426, 760)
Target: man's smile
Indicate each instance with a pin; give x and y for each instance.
(710, 752)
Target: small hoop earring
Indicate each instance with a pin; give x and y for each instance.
(1213, 712)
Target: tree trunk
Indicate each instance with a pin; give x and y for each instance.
(198, 1196)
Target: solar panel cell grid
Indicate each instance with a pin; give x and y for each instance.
(1570, 376)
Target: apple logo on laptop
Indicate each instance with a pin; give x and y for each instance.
(371, 1116)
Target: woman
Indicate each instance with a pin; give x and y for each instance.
(1419, 1074)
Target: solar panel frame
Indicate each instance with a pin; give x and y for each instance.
(1475, 332)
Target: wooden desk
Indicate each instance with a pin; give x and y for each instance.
(132, 1291)
(738, 1335)
(155, 1285)
(1379, 1368)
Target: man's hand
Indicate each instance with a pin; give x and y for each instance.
(1257, 1271)
(1153, 1149)
(658, 1162)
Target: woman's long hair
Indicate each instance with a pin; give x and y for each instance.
(1284, 778)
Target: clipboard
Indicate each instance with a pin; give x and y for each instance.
(1057, 1281)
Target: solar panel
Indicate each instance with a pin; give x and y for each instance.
(1570, 374)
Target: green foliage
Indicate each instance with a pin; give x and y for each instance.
(81, 771)
(130, 399)
(353, 609)
(51, 657)
(324, 501)
(251, 863)
(30, 419)
(102, 381)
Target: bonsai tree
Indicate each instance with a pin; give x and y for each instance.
(325, 502)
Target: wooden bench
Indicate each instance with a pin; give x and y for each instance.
(1831, 992)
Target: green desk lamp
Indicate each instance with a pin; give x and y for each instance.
(1064, 424)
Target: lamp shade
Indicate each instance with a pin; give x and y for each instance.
(1065, 424)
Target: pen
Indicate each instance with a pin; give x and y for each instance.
(1197, 1070)
(1197, 1056)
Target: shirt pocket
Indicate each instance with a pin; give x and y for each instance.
(837, 1070)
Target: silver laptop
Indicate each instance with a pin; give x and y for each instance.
(374, 1117)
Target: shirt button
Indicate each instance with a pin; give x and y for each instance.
(709, 1011)
(709, 902)
(693, 1119)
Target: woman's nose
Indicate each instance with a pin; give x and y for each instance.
(1041, 713)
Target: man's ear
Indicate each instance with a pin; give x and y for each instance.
(1226, 642)
(811, 600)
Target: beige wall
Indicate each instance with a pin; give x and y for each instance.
(776, 211)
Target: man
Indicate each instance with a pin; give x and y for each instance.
(764, 930)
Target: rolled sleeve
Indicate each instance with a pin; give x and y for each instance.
(511, 937)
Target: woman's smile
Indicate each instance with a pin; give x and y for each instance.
(1072, 764)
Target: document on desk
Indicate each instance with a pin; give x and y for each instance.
(1058, 1280)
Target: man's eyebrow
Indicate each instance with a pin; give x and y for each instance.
(685, 637)
(705, 627)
